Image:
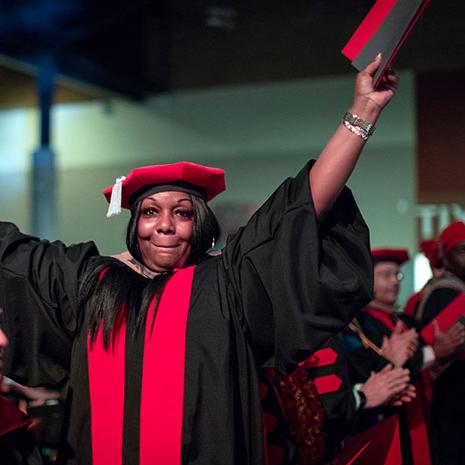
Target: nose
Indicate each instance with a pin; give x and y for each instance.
(165, 224)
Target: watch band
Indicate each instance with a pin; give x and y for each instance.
(355, 120)
(361, 397)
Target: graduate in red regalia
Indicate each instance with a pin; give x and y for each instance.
(160, 347)
(379, 336)
(430, 249)
(439, 312)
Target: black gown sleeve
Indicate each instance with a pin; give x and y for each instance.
(39, 284)
(297, 282)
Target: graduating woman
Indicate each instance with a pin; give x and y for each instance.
(160, 347)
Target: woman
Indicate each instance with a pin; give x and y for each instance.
(164, 370)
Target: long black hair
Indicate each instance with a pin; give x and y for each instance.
(111, 292)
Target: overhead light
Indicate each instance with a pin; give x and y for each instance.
(221, 17)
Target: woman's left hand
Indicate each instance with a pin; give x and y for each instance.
(368, 101)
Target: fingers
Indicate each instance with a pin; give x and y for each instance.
(373, 66)
(394, 377)
(389, 81)
(406, 396)
(385, 343)
(457, 333)
(398, 328)
(437, 331)
(385, 369)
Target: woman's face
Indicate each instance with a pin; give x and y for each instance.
(387, 280)
(164, 230)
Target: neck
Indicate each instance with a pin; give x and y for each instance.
(382, 306)
(138, 267)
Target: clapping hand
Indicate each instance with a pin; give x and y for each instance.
(388, 386)
(400, 346)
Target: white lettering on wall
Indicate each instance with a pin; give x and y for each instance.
(435, 217)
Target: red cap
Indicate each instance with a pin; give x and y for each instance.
(389, 255)
(430, 249)
(205, 180)
(452, 235)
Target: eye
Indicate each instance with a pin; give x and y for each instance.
(185, 213)
(149, 211)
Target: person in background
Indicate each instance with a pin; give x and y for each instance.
(16, 443)
(309, 413)
(441, 310)
(430, 249)
(379, 336)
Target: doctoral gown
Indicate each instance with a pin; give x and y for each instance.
(448, 402)
(186, 391)
(376, 324)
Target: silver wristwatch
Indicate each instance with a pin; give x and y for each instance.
(355, 120)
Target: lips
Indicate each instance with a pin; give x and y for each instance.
(165, 246)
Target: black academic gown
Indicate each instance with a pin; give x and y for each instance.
(309, 412)
(283, 285)
(362, 361)
(447, 423)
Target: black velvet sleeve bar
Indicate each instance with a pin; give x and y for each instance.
(299, 281)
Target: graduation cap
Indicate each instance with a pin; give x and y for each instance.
(384, 30)
(430, 249)
(389, 254)
(452, 235)
(204, 181)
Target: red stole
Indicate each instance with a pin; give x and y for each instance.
(446, 318)
(162, 395)
(388, 319)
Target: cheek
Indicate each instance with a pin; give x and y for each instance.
(185, 231)
(383, 289)
(144, 228)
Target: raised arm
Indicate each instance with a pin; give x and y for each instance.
(339, 157)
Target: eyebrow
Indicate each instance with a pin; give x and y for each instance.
(185, 199)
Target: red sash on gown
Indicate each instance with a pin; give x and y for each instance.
(162, 394)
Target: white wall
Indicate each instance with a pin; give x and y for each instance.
(260, 134)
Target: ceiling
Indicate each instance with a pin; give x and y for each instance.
(138, 47)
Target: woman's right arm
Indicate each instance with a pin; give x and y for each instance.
(39, 284)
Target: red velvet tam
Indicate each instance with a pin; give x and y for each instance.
(398, 256)
(183, 176)
(430, 249)
(452, 235)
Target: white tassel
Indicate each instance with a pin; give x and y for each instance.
(114, 208)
